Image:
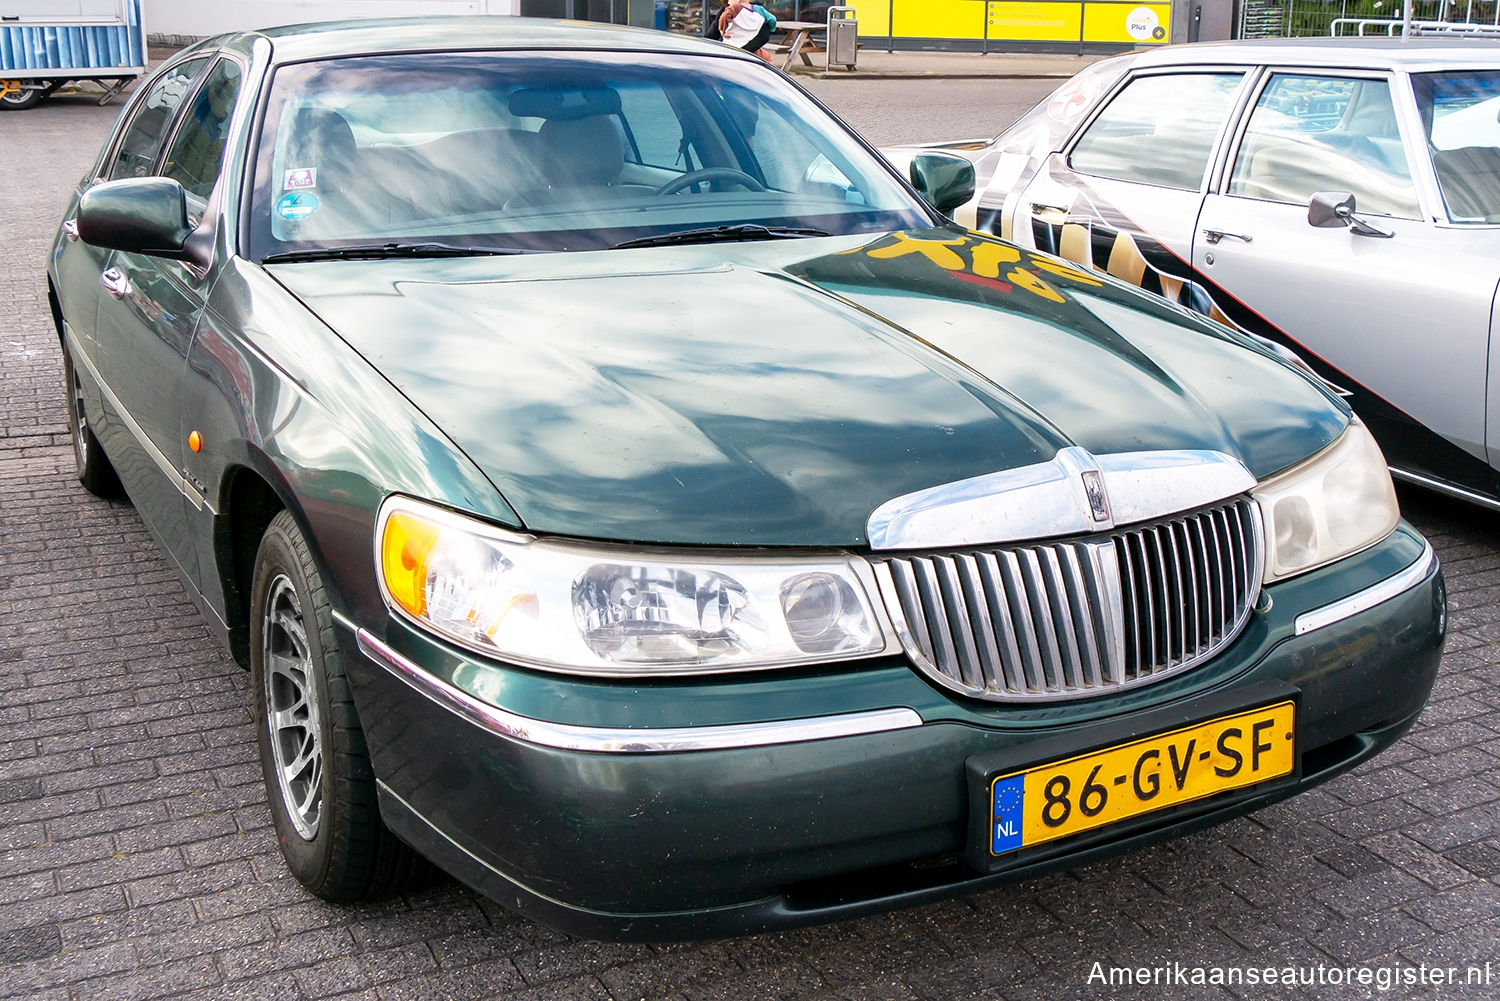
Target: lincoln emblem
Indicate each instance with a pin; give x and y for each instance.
(1093, 485)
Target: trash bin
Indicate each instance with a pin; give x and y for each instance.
(843, 37)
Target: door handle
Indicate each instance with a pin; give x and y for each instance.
(1215, 235)
(1043, 207)
(115, 283)
(70, 230)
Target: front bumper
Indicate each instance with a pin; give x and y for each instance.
(692, 809)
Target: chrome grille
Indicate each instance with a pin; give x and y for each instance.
(1071, 619)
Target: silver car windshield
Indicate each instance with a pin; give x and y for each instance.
(554, 151)
(1461, 115)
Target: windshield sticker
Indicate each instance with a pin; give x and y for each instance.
(300, 177)
(296, 205)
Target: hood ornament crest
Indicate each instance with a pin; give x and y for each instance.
(1073, 493)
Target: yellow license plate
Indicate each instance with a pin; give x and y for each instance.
(1104, 787)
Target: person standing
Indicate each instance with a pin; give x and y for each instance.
(744, 26)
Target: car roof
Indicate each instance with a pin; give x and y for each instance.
(1417, 54)
(368, 36)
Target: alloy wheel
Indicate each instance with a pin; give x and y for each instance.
(292, 708)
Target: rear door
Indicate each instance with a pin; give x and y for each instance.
(1402, 321)
(1124, 196)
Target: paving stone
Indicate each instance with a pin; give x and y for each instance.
(23, 945)
(1457, 907)
(1357, 939)
(1482, 859)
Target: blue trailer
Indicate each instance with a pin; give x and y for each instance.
(46, 43)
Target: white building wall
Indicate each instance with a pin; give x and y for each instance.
(201, 18)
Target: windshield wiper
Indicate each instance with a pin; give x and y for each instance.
(721, 234)
(384, 251)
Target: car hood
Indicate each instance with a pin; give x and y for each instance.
(778, 393)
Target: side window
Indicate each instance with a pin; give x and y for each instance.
(652, 123)
(785, 155)
(197, 152)
(148, 127)
(1319, 133)
(1158, 130)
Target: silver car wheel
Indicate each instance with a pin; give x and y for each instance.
(80, 424)
(292, 709)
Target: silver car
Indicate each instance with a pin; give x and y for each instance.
(1340, 197)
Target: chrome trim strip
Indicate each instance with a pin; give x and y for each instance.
(157, 456)
(1049, 499)
(1391, 587)
(1446, 488)
(606, 740)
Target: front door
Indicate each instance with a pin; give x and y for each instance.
(1401, 321)
(149, 308)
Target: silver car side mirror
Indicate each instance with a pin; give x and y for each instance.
(1335, 209)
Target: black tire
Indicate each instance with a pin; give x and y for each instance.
(313, 758)
(94, 470)
(21, 100)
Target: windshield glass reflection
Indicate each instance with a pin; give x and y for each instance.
(556, 151)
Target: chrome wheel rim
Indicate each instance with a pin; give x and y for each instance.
(292, 708)
(79, 421)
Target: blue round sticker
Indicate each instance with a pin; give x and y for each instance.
(296, 205)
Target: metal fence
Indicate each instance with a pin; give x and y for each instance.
(1301, 18)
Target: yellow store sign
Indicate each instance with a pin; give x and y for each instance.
(1116, 21)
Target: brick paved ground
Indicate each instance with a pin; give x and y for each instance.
(136, 858)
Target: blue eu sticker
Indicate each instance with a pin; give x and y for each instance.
(296, 205)
(1007, 796)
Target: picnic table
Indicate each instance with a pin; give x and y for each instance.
(799, 38)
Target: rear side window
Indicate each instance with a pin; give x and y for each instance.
(150, 120)
(1159, 130)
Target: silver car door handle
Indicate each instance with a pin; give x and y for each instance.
(115, 283)
(1215, 235)
(70, 230)
(1042, 207)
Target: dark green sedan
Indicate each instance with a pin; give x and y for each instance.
(631, 495)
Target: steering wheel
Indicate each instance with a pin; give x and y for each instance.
(710, 174)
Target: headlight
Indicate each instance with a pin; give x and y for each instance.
(613, 610)
(1336, 503)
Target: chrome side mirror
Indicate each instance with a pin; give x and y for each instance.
(1335, 209)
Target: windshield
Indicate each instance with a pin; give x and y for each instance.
(553, 151)
(1461, 115)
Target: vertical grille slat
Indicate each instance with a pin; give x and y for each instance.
(1026, 635)
(1069, 619)
(1010, 651)
(978, 600)
(959, 625)
(935, 613)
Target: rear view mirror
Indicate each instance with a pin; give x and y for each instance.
(139, 215)
(945, 180)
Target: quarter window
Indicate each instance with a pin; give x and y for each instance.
(150, 121)
(1159, 130)
(1321, 133)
